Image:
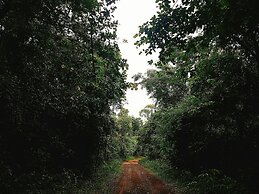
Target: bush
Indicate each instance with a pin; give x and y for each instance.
(213, 182)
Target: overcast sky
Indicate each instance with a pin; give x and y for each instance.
(131, 14)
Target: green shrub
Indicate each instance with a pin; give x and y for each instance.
(213, 182)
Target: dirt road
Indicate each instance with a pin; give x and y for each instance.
(137, 180)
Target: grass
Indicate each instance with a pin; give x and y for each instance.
(103, 181)
(129, 158)
(164, 172)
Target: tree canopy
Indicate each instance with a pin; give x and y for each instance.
(205, 86)
(61, 70)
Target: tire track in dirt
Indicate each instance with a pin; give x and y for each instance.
(137, 180)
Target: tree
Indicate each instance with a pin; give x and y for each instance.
(206, 85)
(123, 139)
(191, 25)
(61, 70)
(147, 112)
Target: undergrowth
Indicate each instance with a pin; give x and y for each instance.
(165, 172)
(211, 181)
(102, 182)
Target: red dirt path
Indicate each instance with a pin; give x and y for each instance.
(137, 180)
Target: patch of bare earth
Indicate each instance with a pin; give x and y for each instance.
(137, 180)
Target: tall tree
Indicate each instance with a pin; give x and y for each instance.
(61, 70)
(206, 84)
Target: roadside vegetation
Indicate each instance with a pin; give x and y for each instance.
(185, 182)
(206, 116)
(60, 72)
(62, 77)
(104, 180)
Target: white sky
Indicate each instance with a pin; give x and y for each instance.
(131, 14)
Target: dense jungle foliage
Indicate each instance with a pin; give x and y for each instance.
(61, 71)
(62, 74)
(206, 88)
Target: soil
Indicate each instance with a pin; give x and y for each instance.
(135, 179)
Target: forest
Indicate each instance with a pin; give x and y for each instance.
(63, 83)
